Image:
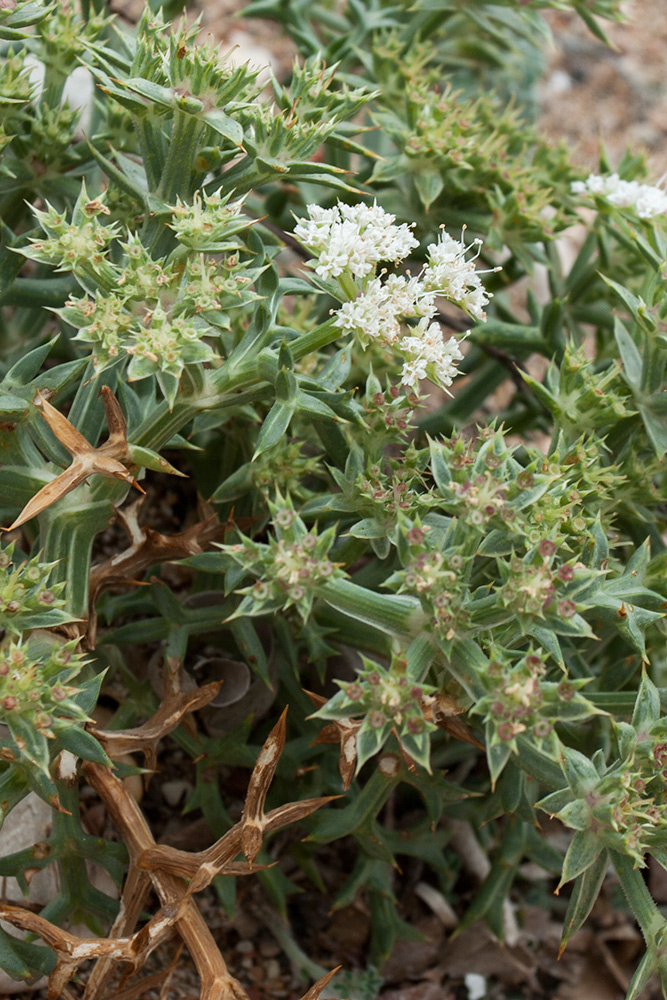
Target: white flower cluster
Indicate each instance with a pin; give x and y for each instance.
(646, 200)
(349, 241)
(377, 312)
(377, 315)
(428, 356)
(449, 273)
(353, 238)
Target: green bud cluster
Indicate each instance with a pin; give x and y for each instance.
(451, 137)
(37, 696)
(27, 598)
(436, 577)
(158, 313)
(390, 700)
(290, 568)
(581, 397)
(521, 701)
(80, 245)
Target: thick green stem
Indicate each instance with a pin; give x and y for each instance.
(401, 616)
(323, 335)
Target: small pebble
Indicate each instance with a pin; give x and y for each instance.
(272, 969)
(176, 791)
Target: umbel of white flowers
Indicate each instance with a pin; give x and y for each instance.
(644, 199)
(350, 241)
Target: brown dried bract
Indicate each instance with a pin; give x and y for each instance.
(110, 459)
(147, 548)
(145, 738)
(343, 731)
(443, 711)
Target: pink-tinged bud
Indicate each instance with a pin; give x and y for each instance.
(542, 729)
(416, 693)
(394, 391)
(373, 678)
(9, 702)
(284, 517)
(565, 573)
(12, 607)
(415, 536)
(547, 548)
(309, 542)
(58, 693)
(379, 399)
(525, 480)
(47, 597)
(415, 726)
(505, 731)
(567, 609)
(639, 785)
(4, 668)
(566, 691)
(376, 720)
(497, 708)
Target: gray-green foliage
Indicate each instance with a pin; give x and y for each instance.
(505, 558)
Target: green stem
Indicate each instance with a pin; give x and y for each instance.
(323, 335)
(400, 616)
(645, 911)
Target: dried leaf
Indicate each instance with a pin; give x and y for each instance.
(443, 711)
(145, 738)
(316, 989)
(108, 460)
(260, 780)
(216, 981)
(147, 547)
(343, 731)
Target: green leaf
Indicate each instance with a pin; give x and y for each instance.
(583, 851)
(584, 894)
(429, 184)
(579, 771)
(630, 356)
(274, 427)
(22, 960)
(647, 709)
(73, 737)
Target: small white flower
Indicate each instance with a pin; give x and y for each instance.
(646, 199)
(354, 238)
(377, 312)
(451, 274)
(428, 356)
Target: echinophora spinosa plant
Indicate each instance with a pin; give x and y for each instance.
(274, 396)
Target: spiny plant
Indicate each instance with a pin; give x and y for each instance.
(275, 305)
